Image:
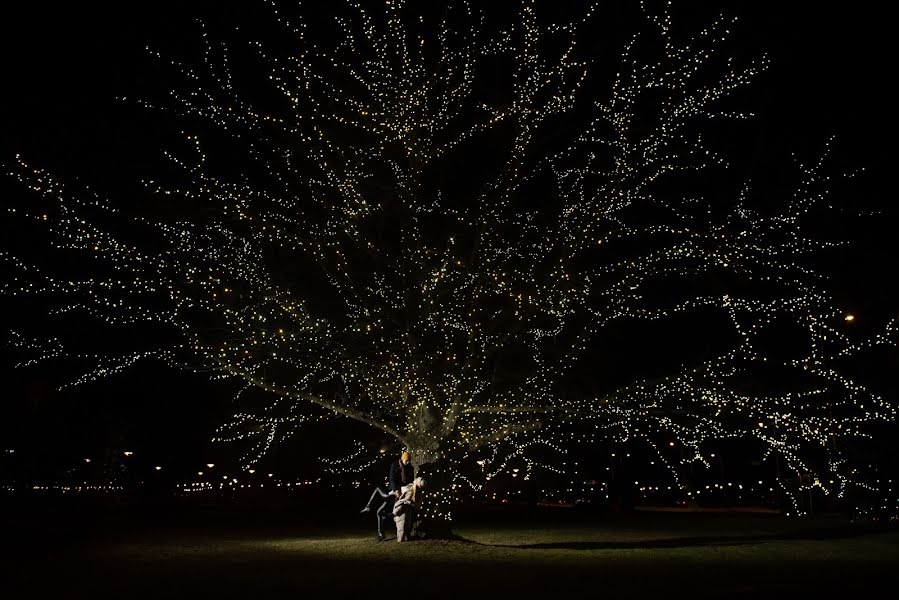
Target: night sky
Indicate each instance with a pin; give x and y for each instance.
(65, 65)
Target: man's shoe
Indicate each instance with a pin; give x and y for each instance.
(365, 510)
(380, 537)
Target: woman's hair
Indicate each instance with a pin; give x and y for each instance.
(417, 483)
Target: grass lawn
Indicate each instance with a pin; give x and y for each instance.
(644, 555)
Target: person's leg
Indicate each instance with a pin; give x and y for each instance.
(407, 524)
(384, 512)
(382, 517)
(400, 527)
(378, 493)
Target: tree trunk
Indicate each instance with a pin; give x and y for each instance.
(436, 502)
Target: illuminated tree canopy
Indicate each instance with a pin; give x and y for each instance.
(425, 219)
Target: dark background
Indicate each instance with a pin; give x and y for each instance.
(65, 66)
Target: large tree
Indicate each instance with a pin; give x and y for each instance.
(427, 218)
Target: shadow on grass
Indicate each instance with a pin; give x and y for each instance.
(694, 541)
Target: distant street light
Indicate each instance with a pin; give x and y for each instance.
(849, 317)
(210, 465)
(158, 468)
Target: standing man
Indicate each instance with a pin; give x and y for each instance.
(401, 473)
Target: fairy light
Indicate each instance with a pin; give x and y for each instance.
(408, 343)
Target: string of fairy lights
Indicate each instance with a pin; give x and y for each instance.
(415, 321)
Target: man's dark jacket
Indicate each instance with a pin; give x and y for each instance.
(400, 475)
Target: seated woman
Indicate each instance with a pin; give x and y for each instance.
(404, 509)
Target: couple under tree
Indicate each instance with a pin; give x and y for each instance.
(398, 502)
